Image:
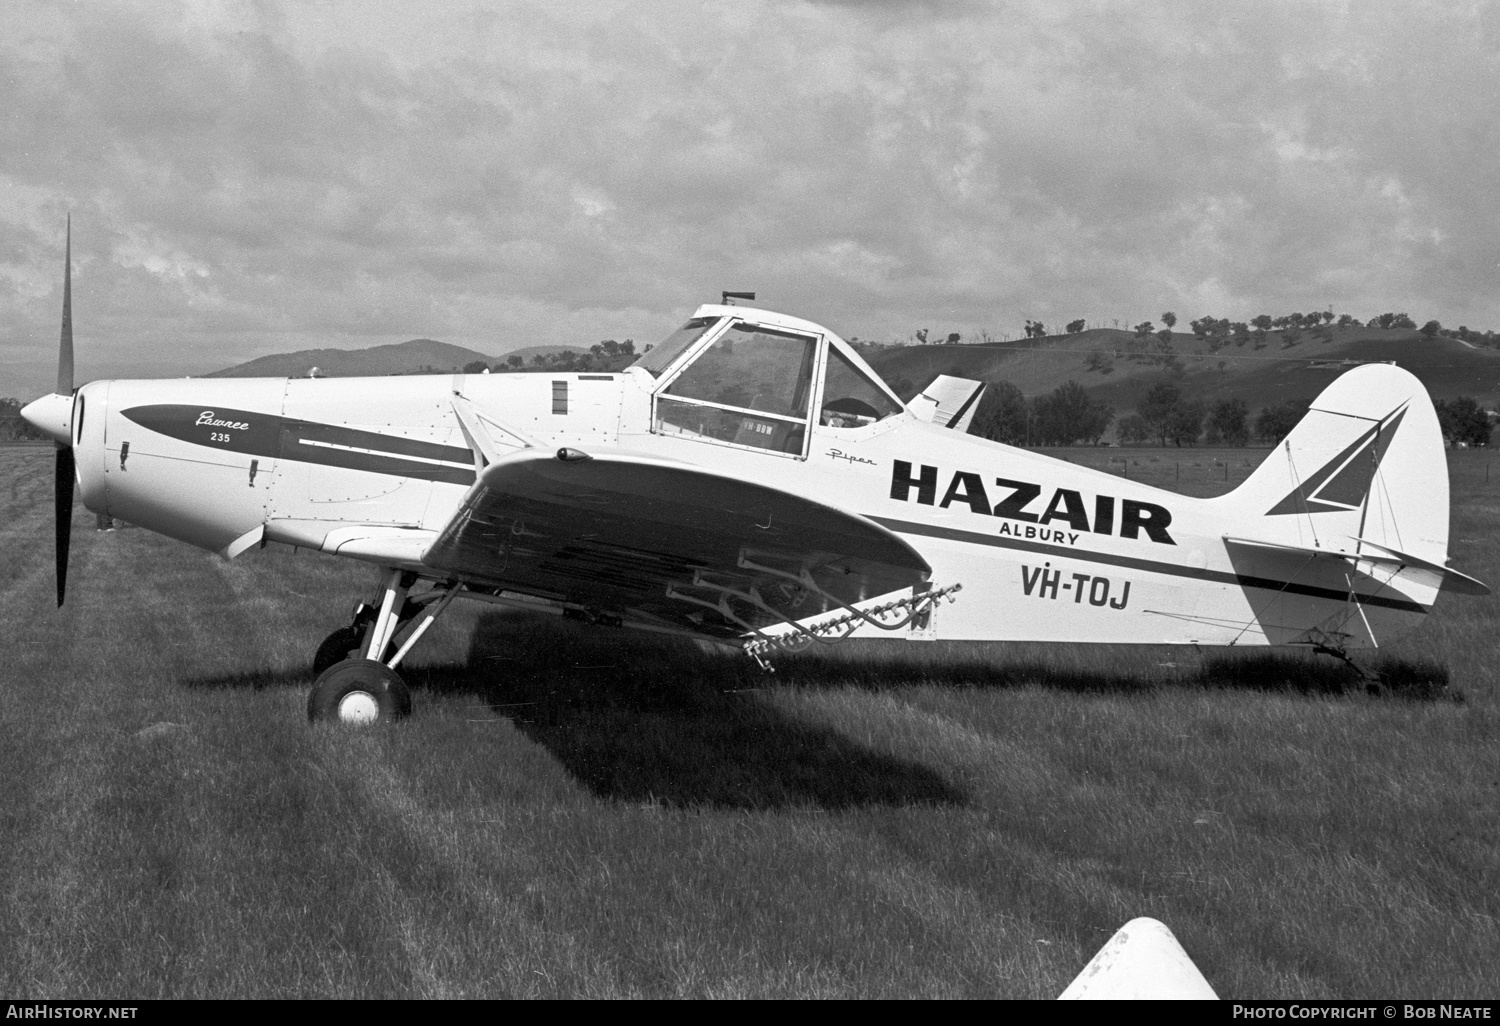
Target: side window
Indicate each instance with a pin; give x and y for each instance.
(753, 386)
(850, 399)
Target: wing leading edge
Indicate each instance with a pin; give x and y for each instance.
(660, 543)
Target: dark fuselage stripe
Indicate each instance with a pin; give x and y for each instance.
(250, 433)
(1152, 566)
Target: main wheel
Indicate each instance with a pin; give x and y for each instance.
(358, 691)
(337, 647)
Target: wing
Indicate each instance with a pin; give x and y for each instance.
(657, 543)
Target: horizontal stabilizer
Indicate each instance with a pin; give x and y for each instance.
(1452, 579)
(948, 402)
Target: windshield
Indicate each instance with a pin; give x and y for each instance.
(754, 369)
(669, 348)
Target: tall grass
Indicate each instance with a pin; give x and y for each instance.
(578, 811)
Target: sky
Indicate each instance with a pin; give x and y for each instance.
(255, 177)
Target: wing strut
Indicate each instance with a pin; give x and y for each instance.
(476, 428)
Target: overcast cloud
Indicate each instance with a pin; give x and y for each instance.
(255, 177)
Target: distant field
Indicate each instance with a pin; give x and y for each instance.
(576, 812)
(1260, 374)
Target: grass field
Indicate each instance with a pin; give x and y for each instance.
(594, 813)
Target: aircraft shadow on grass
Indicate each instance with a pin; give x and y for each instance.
(639, 718)
(643, 719)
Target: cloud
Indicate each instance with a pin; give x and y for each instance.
(260, 176)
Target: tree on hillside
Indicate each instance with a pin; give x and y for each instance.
(1431, 328)
(1144, 329)
(515, 362)
(1185, 422)
(1074, 327)
(1169, 319)
(1262, 321)
(1133, 429)
(1462, 420)
(1156, 408)
(1215, 329)
(1069, 414)
(1276, 422)
(1227, 422)
(1002, 414)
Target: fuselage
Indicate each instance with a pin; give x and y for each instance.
(1045, 550)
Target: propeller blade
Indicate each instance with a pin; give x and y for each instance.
(62, 470)
(65, 348)
(62, 491)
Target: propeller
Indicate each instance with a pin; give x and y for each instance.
(62, 468)
(53, 415)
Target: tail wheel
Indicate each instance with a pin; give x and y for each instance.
(358, 691)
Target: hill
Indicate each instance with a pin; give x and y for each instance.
(1262, 373)
(415, 357)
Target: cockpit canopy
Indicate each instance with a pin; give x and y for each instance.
(753, 378)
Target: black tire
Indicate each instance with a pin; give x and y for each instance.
(358, 691)
(337, 647)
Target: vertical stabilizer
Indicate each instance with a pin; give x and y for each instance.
(1367, 461)
(1354, 502)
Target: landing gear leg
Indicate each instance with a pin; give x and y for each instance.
(343, 642)
(347, 641)
(361, 685)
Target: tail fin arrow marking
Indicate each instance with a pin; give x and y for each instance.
(1343, 483)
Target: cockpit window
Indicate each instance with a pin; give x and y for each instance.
(751, 387)
(753, 369)
(669, 348)
(850, 399)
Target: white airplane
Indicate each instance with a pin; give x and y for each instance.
(751, 481)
